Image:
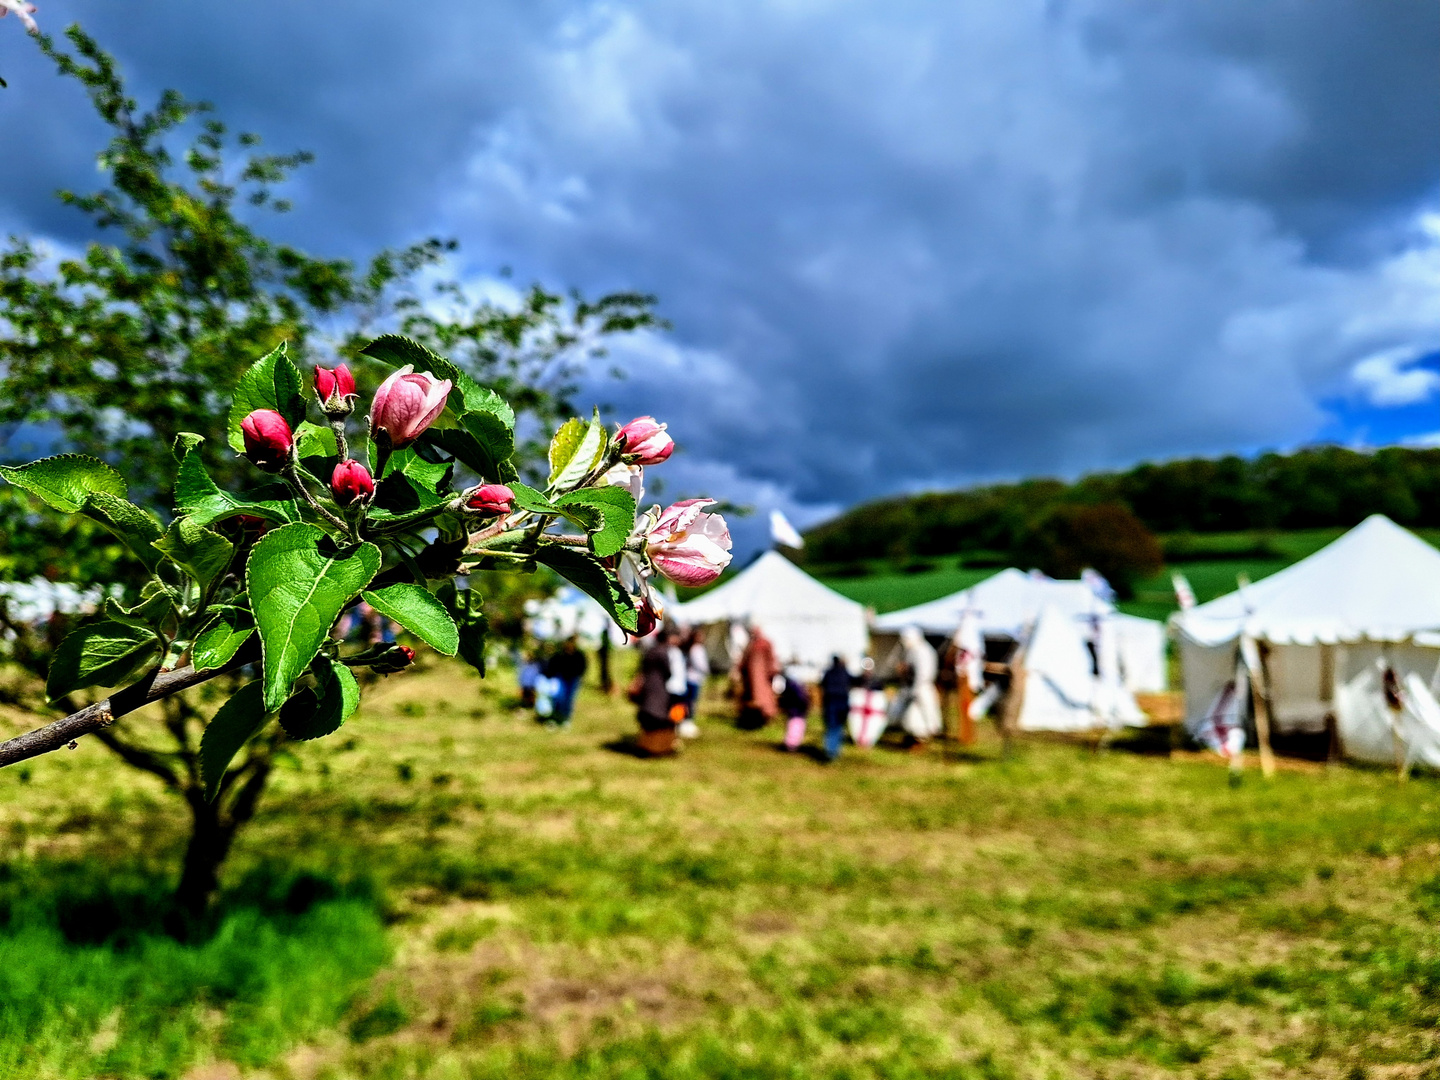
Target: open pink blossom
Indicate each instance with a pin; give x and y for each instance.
(645, 441)
(629, 477)
(406, 404)
(23, 10)
(688, 546)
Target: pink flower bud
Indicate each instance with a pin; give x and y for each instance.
(351, 481)
(644, 441)
(267, 438)
(406, 404)
(645, 621)
(333, 388)
(687, 546)
(395, 658)
(492, 499)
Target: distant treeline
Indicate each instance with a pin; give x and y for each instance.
(1312, 488)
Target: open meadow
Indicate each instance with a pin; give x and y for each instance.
(445, 890)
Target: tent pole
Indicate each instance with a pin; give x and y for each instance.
(966, 725)
(1014, 699)
(1261, 697)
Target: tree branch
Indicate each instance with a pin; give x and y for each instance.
(154, 686)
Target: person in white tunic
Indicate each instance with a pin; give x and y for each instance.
(922, 718)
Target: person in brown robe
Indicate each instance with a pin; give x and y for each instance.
(757, 696)
(652, 700)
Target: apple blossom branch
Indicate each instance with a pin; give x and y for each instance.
(155, 685)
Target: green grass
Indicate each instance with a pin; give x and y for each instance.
(518, 903)
(91, 985)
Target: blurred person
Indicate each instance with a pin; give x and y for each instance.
(947, 689)
(567, 668)
(758, 669)
(530, 673)
(652, 700)
(602, 661)
(835, 687)
(921, 718)
(697, 670)
(736, 639)
(678, 683)
(795, 704)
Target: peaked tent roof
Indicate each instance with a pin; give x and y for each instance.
(1062, 691)
(1378, 582)
(1006, 603)
(805, 620)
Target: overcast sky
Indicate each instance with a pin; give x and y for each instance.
(903, 245)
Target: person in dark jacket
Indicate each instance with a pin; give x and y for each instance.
(567, 667)
(652, 702)
(835, 705)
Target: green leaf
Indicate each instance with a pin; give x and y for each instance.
(494, 433)
(312, 440)
(220, 639)
(527, 498)
(99, 653)
(465, 448)
(65, 482)
(231, 728)
(299, 582)
(202, 554)
(420, 613)
(616, 509)
(149, 615)
(313, 713)
(467, 608)
(184, 443)
(197, 496)
(138, 528)
(576, 449)
(585, 572)
(410, 484)
(272, 382)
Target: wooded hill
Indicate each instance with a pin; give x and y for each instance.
(1315, 487)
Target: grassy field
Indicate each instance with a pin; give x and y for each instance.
(1211, 563)
(444, 890)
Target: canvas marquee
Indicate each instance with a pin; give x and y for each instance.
(1327, 627)
(1009, 603)
(807, 622)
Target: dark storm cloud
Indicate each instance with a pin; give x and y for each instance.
(903, 244)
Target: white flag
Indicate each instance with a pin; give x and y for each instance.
(782, 532)
(1095, 581)
(1184, 595)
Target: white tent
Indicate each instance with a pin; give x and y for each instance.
(807, 622)
(1370, 598)
(1008, 604)
(1062, 690)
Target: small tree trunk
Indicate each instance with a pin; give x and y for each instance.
(208, 846)
(212, 831)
